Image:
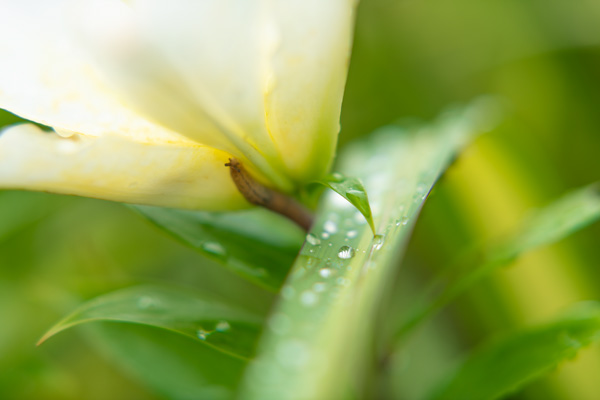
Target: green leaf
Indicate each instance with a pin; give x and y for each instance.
(172, 365)
(556, 221)
(567, 215)
(256, 244)
(352, 190)
(317, 334)
(198, 316)
(506, 365)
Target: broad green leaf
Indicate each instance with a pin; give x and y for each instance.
(256, 244)
(172, 365)
(506, 365)
(198, 316)
(556, 221)
(352, 190)
(316, 335)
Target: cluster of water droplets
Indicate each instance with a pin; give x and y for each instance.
(220, 327)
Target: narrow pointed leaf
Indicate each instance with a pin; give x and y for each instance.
(198, 316)
(315, 341)
(171, 365)
(352, 190)
(506, 365)
(256, 244)
(568, 214)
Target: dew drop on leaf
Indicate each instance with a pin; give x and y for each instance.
(147, 302)
(330, 227)
(319, 287)
(222, 326)
(280, 323)
(359, 218)
(287, 292)
(308, 298)
(343, 281)
(346, 252)
(213, 248)
(378, 241)
(325, 272)
(312, 239)
(293, 353)
(202, 334)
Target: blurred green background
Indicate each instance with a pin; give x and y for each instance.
(410, 59)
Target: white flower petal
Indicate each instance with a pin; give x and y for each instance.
(193, 66)
(261, 79)
(45, 79)
(308, 68)
(115, 168)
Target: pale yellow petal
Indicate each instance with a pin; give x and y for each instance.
(45, 78)
(308, 74)
(115, 168)
(192, 66)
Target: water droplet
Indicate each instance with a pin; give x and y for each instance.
(312, 239)
(378, 241)
(202, 334)
(287, 292)
(298, 273)
(359, 218)
(280, 323)
(330, 227)
(346, 252)
(352, 234)
(325, 235)
(213, 248)
(337, 176)
(325, 272)
(319, 287)
(329, 244)
(222, 326)
(293, 353)
(146, 302)
(342, 281)
(308, 298)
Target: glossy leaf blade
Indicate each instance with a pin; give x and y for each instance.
(504, 366)
(352, 190)
(200, 317)
(256, 244)
(316, 336)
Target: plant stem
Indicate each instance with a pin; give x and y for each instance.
(262, 196)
